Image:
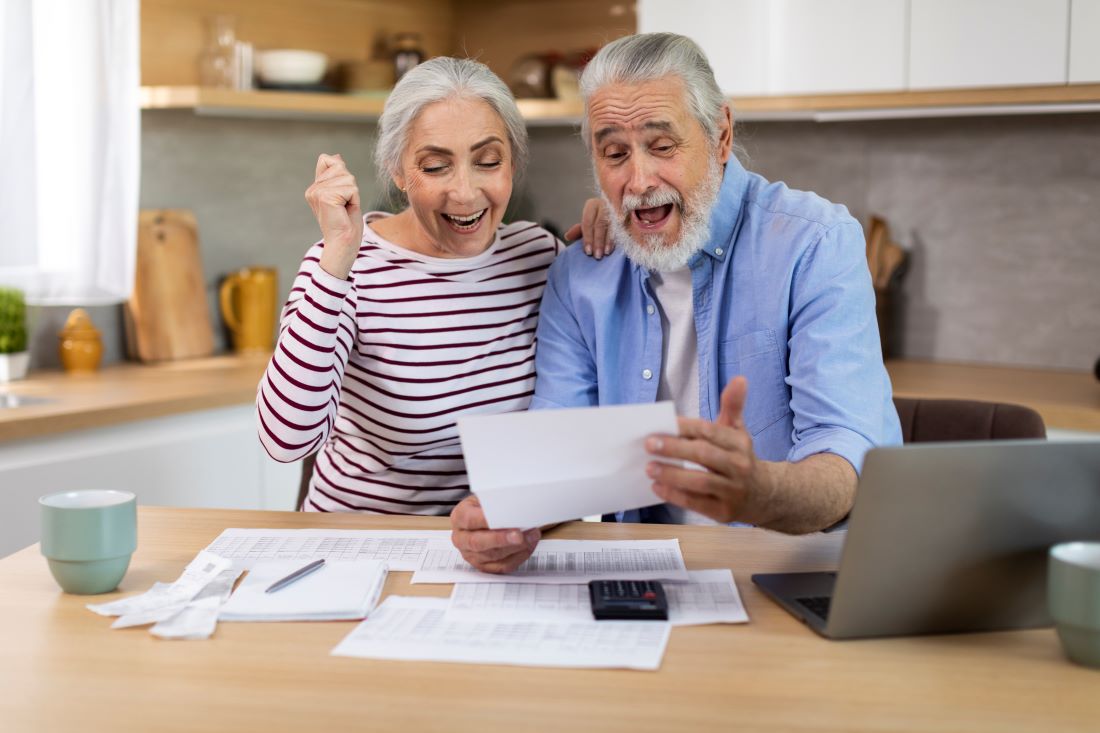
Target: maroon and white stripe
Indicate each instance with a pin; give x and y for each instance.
(373, 371)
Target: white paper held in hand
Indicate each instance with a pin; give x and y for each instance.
(529, 469)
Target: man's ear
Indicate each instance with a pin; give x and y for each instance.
(725, 134)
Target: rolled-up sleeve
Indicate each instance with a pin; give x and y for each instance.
(841, 398)
(566, 371)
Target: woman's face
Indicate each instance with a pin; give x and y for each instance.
(457, 173)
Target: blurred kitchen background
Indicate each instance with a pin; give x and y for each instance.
(997, 209)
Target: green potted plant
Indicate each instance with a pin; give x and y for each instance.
(13, 335)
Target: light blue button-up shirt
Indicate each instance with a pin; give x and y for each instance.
(782, 295)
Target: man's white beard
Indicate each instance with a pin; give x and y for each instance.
(652, 253)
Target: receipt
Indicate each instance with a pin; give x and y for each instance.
(199, 618)
(165, 600)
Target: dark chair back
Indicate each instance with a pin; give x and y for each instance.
(927, 421)
(307, 474)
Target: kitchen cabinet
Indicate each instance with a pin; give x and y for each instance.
(1084, 41)
(777, 47)
(209, 458)
(732, 33)
(827, 46)
(987, 43)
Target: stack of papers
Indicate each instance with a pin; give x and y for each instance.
(340, 590)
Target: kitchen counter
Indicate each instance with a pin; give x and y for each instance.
(1066, 400)
(128, 392)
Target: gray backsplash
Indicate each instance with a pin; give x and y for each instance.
(999, 214)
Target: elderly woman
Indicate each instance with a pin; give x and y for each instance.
(396, 325)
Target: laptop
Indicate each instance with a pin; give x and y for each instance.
(950, 537)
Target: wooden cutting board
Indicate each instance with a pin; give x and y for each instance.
(167, 316)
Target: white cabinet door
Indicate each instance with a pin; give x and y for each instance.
(210, 458)
(760, 47)
(732, 33)
(826, 46)
(1084, 41)
(984, 43)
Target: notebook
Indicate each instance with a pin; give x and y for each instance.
(340, 590)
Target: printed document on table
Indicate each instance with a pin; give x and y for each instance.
(529, 469)
(566, 561)
(708, 597)
(401, 549)
(339, 590)
(420, 629)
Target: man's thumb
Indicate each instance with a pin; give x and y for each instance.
(732, 402)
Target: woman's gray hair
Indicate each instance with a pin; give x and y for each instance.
(648, 56)
(436, 80)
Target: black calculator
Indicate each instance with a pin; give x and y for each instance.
(628, 600)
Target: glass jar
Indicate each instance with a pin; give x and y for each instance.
(406, 54)
(218, 60)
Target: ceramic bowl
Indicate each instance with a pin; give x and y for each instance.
(291, 66)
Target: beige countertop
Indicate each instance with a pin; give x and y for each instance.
(126, 392)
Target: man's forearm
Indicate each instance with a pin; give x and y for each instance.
(807, 496)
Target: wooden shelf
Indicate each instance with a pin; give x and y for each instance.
(1014, 100)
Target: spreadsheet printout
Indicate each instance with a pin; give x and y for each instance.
(400, 549)
(419, 629)
(708, 597)
(566, 561)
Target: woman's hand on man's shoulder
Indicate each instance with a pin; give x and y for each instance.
(593, 229)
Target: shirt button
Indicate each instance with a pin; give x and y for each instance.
(718, 251)
(646, 374)
(650, 309)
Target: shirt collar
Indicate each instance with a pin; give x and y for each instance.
(726, 213)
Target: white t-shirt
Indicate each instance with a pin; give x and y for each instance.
(679, 380)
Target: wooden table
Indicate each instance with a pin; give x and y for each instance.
(63, 669)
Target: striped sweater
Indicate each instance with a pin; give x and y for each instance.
(373, 371)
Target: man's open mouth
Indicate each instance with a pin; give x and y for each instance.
(464, 223)
(652, 218)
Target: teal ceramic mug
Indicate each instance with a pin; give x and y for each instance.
(1073, 594)
(88, 538)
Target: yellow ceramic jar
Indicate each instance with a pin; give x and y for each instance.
(81, 347)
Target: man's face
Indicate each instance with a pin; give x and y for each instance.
(653, 159)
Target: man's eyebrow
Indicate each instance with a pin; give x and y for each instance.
(662, 125)
(603, 132)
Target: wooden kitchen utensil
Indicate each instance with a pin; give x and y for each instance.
(167, 316)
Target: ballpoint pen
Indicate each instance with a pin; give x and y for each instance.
(296, 575)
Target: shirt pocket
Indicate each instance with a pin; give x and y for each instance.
(756, 356)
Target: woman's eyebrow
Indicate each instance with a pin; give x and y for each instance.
(486, 141)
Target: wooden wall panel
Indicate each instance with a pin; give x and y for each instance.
(173, 31)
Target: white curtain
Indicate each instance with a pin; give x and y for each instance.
(70, 125)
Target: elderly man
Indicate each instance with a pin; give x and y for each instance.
(746, 303)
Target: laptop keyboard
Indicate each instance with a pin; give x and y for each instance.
(817, 605)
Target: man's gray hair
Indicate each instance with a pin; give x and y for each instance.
(436, 80)
(648, 56)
